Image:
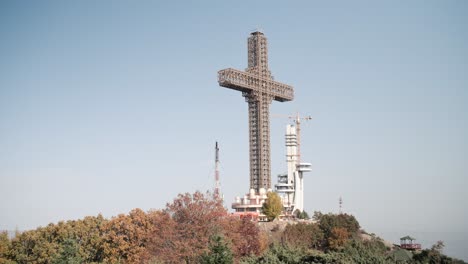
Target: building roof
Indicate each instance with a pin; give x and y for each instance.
(407, 238)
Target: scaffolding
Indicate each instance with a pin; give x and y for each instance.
(259, 89)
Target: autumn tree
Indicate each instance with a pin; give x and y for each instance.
(47, 244)
(302, 235)
(126, 237)
(338, 238)
(273, 206)
(191, 219)
(5, 245)
(245, 237)
(162, 240)
(92, 241)
(34, 246)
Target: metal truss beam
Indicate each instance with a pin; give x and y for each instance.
(259, 89)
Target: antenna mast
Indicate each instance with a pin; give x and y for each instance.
(216, 190)
(340, 201)
(297, 120)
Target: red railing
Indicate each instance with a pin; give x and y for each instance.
(411, 246)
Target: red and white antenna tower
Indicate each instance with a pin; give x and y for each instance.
(216, 190)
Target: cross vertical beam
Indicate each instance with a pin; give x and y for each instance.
(259, 90)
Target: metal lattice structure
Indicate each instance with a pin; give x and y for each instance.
(217, 193)
(259, 89)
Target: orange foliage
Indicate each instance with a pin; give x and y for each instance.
(339, 238)
(264, 241)
(126, 237)
(183, 234)
(179, 234)
(244, 236)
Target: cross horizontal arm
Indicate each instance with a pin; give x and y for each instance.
(246, 82)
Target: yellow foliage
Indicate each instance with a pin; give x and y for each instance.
(273, 206)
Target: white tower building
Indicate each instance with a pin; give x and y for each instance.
(291, 185)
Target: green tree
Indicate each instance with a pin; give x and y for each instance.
(365, 252)
(329, 221)
(277, 254)
(69, 253)
(302, 235)
(434, 255)
(273, 206)
(220, 252)
(301, 215)
(317, 215)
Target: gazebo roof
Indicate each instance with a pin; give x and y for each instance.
(407, 238)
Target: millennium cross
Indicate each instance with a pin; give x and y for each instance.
(259, 89)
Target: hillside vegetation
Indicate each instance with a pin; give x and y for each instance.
(196, 228)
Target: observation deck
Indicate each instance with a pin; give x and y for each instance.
(407, 243)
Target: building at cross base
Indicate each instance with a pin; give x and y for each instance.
(290, 186)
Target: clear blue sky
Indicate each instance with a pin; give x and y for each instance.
(110, 105)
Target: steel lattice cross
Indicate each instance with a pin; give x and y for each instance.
(259, 89)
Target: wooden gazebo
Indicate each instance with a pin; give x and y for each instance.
(407, 242)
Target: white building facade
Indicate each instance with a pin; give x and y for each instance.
(290, 186)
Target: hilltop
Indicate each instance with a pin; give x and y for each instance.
(196, 228)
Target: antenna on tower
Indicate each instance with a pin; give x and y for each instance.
(340, 201)
(297, 120)
(216, 190)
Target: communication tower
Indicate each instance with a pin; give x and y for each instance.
(340, 202)
(217, 193)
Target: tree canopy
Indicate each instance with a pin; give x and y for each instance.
(273, 206)
(196, 228)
